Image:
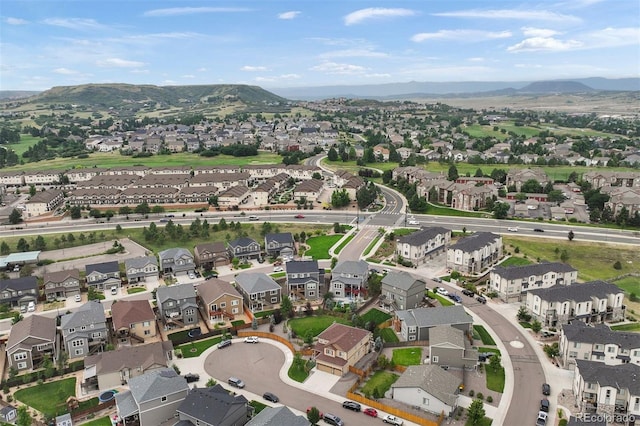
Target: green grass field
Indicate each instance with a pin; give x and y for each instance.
(633, 327)
(516, 261)
(299, 372)
(495, 379)
(344, 243)
(443, 300)
(320, 245)
(629, 285)
(48, 398)
(102, 421)
(376, 315)
(407, 356)
(379, 383)
(484, 335)
(483, 349)
(317, 324)
(388, 335)
(195, 349)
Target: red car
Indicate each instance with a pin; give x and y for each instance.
(309, 409)
(371, 412)
(299, 216)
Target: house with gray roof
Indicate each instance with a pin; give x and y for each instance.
(18, 292)
(278, 416)
(139, 269)
(448, 346)
(607, 389)
(61, 284)
(152, 398)
(597, 343)
(8, 413)
(423, 245)
(177, 304)
(244, 248)
(401, 290)
(176, 261)
(31, 341)
(280, 244)
(415, 324)
(214, 406)
(211, 255)
(512, 282)
(428, 387)
(84, 331)
(349, 279)
(591, 302)
(305, 280)
(475, 253)
(103, 276)
(260, 291)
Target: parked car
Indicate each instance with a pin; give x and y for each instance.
(278, 269)
(456, 298)
(251, 339)
(235, 382)
(114, 291)
(542, 418)
(271, 397)
(351, 405)
(299, 216)
(467, 292)
(192, 276)
(31, 307)
(481, 299)
(191, 377)
(544, 405)
(392, 420)
(546, 389)
(224, 344)
(441, 291)
(333, 420)
(78, 298)
(371, 412)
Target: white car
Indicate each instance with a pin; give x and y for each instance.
(512, 229)
(442, 291)
(278, 269)
(251, 339)
(414, 222)
(392, 420)
(78, 298)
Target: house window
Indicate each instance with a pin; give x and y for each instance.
(411, 338)
(223, 305)
(312, 293)
(79, 352)
(77, 343)
(573, 354)
(274, 300)
(20, 356)
(234, 310)
(274, 292)
(97, 334)
(611, 349)
(72, 330)
(435, 359)
(234, 303)
(189, 311)
(21, 365)
(147, 332)
(146, 324)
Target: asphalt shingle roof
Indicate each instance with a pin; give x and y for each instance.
(577, 292)
(140, 262)
(213, 405)
(175, 292)
(536, 269)
(91, 312)
(103, 268)
(623, 376)
(278, 416)
(578, 331)
(423, 235)
(302, 266)
(432, 379)
(439, 315)
(402, 280)
(156, 383)
(256, 282)
(475, 241)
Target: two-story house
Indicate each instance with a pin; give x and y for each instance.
(591, 302)
(416, 324)
(214, 406)
(305, 280)
(85, 330)
(475, 253)
(176, 261)
(152, 398)
(448, 346)
(31, 341)
(260, 291)
(103, 276)
(281, 244)
(211, 255)
(349, 279)
(133, 321)
(401, 290)
(244, 248)
(139, 269)
(421, 246)
(61, 284)
(512, 282)
(19, 292)
(428, 387)
(177, 304)
(220, 300)
(341, 346)
(597, 343)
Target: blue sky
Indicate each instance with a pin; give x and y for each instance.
(278, 44)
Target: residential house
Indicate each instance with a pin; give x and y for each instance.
(18, 292)
(220, 299)
(341, 346)
(64, 420)
(349, 278)
(607, 389)
(416, 324)
(177, 304)
(152, 398)
(280, 244)
(308, 190)
(591, 302)
(512, 282)
(278, 416)
(31, 341)
(260, 291)
(176, 261)
(103, 276)
(475, 253)
(423, 245)
(43, 202)
(112, 369)
(428, 387)
(8, 413)
(214, 406)
(305, 280)
(400, 291)
(234, 196)
(139, 269)
(244, 248)
(211, 255)
(518, 177)
(133, 321)
(448, 346)
(84, 331)
(597, 343)
(61, 284)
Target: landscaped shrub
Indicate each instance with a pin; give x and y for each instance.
(489, 398)
(480, 395)
(617, 265)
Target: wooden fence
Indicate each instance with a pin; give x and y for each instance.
(266, 335)
(81, 414)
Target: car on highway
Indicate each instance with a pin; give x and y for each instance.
(392, 420)
(370, 412)
(191, 377)
(271, 397)
(251, 339)
(512, 229)
(538, 230)
(351, 405)
(542, 418)
(299, 216)
(224, 344)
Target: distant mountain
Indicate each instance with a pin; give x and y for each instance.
(16, 94)
(118, 95)
(556, 86)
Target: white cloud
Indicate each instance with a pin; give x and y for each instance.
(362, 15)
(551, 44)
(65, 71)
(529, 15)
(613, 37)
(140, 71)
(336, 68)
(538, 32)
(352, 53)
(119, 63)
(251, 68)
(175, 11)
(461, 35)
(289, 15)
(75, 23)
(16, 21)
(476, 59)
(171, 35)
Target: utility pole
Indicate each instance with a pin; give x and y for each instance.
(406, 208)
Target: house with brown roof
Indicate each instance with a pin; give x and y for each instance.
(133, 321)
(112, 369)
(341, 346)
(220, 300)
(211, 255)
(61, 284)
(31, 341)
(43, 202)
(234, 196)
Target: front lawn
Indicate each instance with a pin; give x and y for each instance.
(317, 324)
(48, 398)
(484, 335)
(443, 300)
(486, 421)
(102, 421)
(407, 356)
(379, 383)
(300, 371)
(482, 349)
(375, 315)
(319, 246)
(136, 290)
(257, 406)
(388, 335)
(495, 379)
(194, 349)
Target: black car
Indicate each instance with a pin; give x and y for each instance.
(191, 377)
(546, 389)
(544, 405)
(270, 397)
(467, 292)
(456, 298)
(538, 230)
(350, 405)
(481, 299)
